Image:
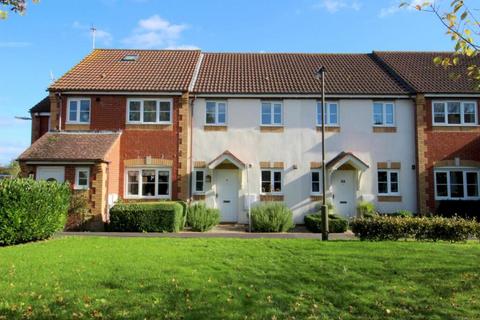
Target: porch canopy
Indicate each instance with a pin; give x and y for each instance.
(346, 160)
(226, 160)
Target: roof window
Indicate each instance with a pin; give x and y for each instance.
(130, 57)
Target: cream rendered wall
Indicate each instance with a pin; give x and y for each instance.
(299, 145)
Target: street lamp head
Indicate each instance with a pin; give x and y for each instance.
(319, 72)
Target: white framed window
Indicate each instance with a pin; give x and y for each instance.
(272, 113)
(456, 183)
(331, 112)
(82, 178)
(216, 113)
(271, 181)
(454, 113)
(149, 111)
(316, 182)
(384, 114)
(199, 180)
(388, 182)
(147, 183)
(78, 110)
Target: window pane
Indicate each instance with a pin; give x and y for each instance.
(148, 183)
(266, 113)
(132, 182)
(210, 119)
(453, 109)
(333, 113)
(377, 113)
(319, 113)
(382, 181)
(163, 177)
(439, 113)
(165, 111)
(277, 183)
(210, 113)
(472, 184)
(469, 113)
(315, 182)
(382, 187)
(222, 113)
(84, 111)
(199, 180)
(389, 113)
(441, 180)
(149, 111)
(382, 176)
(83, 178)
(72, 116)
(456, 184)
(266, 181)
(134, 111)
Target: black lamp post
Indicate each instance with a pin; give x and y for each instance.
(320, 75)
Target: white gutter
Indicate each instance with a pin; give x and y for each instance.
(300, 96)
(129, 93)
(452, 95)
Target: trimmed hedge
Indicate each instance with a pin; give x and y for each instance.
(31, 210)
(200, 218)
(272, 217)
(336, 224)
(165, 216)
(424, 228)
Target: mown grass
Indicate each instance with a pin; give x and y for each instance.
(152, 278)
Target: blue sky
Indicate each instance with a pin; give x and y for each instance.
(54, 35)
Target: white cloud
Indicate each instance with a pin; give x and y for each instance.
(14, 44)
(333, 6)
(101, 35)
(394, 8)
(156, 32)
(183, 47)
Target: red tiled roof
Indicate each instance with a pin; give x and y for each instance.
(62, 146)
(155, 70)
(418, 70)
(283, 73)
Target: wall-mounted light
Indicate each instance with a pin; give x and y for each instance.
(208, 178)
(413, 167)
(294, 167)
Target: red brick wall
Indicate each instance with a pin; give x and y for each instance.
(447, 144)
(138, 142)
(39, 126)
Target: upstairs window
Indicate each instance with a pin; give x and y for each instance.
(388, 182)
(216, 113)
(149, 111)
(272, 114)
(383, 114)
(330, 112)
(78, 111)
(454, 113)
(456, 184)
(271, 181)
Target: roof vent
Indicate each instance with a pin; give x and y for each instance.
(130, 57)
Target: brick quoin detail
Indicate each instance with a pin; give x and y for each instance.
(436, 144)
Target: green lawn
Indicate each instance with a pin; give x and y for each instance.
(139, 278)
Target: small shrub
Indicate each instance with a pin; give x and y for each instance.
(185, 211)
(402, 213)
(200, 218)
(146, 217)
(424, 228)
(366, 209)
(336, 224)
(79, 213)
(272, 217)
(31, 210)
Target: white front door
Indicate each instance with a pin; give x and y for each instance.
(343, 192)
(227, 186)
(51, 173)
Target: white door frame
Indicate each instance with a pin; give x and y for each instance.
(227, 198)
(346, 195)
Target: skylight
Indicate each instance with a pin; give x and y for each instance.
(130, 57)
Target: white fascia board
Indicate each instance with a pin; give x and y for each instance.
(300, 96)
(452, 95)
(123, 93)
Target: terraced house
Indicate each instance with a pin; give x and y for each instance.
(237, 128)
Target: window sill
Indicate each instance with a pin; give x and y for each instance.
(329, 128)
(271, 197)
(80, 188)
(150, 126)
(389, 198)
(214, 127)
(379, 129)
(450, 128)
(274, 129)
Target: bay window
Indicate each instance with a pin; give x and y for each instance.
(148, 183)
(149, 111)
(454, 112)
(456, 184)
